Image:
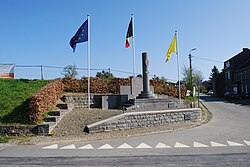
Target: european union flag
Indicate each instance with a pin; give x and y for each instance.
(80, 36)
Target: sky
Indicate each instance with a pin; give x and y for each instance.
(38, 33)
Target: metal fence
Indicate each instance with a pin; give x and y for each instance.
(52, 72)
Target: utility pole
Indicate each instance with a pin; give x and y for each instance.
(190, 66)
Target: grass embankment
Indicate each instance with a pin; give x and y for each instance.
(14, 96)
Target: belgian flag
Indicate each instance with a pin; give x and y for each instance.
(129, 33)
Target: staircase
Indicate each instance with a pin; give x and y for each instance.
(69, 103)
(130, 105)
(56, 115)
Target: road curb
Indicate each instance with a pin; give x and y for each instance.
(208, 113)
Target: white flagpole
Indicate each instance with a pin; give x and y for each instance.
(178, 68)
(133, 44)
(88, 61)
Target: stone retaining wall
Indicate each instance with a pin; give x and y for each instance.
(17, 130)
(78, 101)
(133, 120)
(22, 130)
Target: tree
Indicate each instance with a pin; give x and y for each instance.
(215, 72)
(104, 75)
(164, 79)
(196, 77)
(69, 71)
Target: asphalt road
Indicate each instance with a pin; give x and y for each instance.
(224, 141)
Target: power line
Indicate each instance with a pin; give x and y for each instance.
(122, 71)
(208, 59)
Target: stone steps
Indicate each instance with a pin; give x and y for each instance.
(71, 102)
(130, 105)
(55, 116)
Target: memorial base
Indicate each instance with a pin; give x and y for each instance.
(151, 104)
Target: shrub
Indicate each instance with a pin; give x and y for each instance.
(44, 98)
(97, 85)
(115, 83)
(71, 84)
(162, 87)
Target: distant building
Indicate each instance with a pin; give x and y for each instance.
(235, 76)
(207, 85)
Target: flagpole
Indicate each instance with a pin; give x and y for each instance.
(88, 16)
(178, 68)
(133, 44)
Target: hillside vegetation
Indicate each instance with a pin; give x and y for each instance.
(22, 103)
(14, 95)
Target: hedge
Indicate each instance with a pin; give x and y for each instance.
(44, 98)
(48, 95)
(97, 85)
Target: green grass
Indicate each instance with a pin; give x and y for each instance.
(5, 139)
(191, 98)
(14, 97)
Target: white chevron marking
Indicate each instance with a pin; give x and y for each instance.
(180, 145)
(143, 145)
(230, 143)
(106, 146)
(162, 145)
(71, 146)
(215, 144)
(197, 144)
(247, 142)
(54, 146)
(124, 145)
(86, 147)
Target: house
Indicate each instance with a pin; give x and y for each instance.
(235, 76)
(218, 85)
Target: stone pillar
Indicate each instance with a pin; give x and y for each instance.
(146, 93)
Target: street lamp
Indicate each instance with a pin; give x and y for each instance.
(190, 65)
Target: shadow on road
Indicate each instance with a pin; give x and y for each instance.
(243, 102)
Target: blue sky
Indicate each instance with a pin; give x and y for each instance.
(38, 32)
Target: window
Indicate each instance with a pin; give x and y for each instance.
(227, 64)
(227, 74)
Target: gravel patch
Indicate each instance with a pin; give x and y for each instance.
(74, 122)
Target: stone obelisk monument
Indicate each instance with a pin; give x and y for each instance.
(146, 93)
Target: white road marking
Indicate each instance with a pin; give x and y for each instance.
(247, 142)
(162, 145)
(143, 145)
(197, 144)
(68, 147)
(230, 143)
(215, 144)
(180, 145)
(54, 146)
(124, 146)
(86, 147)
(106, 146)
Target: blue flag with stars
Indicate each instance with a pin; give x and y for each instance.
(80, 36)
